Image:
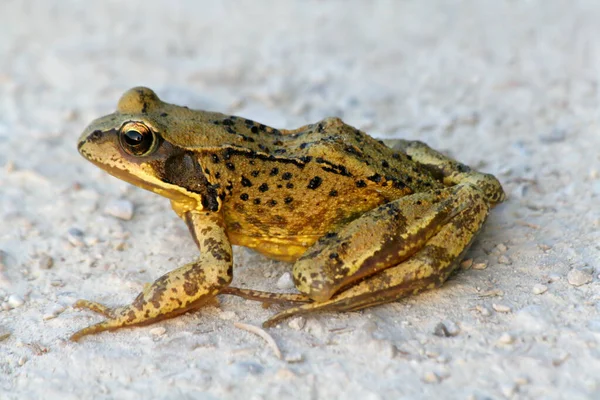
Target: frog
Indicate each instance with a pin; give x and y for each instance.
(361, 222)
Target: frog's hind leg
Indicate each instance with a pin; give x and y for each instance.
(428, 267)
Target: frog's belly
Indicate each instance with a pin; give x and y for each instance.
(278, 248)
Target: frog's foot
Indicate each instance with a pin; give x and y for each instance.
(425, 248)
(266, 297)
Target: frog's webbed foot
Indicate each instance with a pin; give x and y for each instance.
(420, 246)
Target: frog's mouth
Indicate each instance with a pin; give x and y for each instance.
(107, 156)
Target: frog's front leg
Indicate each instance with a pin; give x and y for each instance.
(395, 250)
(180, 290)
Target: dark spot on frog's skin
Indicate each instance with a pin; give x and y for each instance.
(375, 178)
(289, 185)
(244, 196)
(330, 235)
(306, 159)
(227, 154)
(218, 175)
(246, 182)
(381, 142)
(249, 122)
(255, 173)
(230, 166)
(333, 256)
(264, 148)
(272, 203)
(215, 158)
(227, 122)
(288, 200)
(304, 145)
(254, 129)
(361, 184)
(164, 115)
(320, 128)
(398, 184)
(396, 156)
(419, 202)
(286, 176)
(263, 188)
(333, 193)
(230, 130)
(463, 168)
(385, 164)
(207, 171)
(315, 182)
(256, 201)
(262, 127)
(280, 151)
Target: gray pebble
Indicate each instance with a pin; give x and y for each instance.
(285, 281)
(578, 277)
(297, 323)
(15, 301)
(75, 237)
(122, 209)
(539, 289)
(446, 329)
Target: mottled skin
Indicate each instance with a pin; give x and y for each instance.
(363, 223)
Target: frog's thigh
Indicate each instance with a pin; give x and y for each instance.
(178, 291)
(429, 267)
(379, 239)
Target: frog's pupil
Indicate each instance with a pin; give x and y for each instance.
(133, 138)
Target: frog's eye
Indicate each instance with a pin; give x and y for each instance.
(137, 139)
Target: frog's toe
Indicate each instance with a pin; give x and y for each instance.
(95, 307)
(107, 325)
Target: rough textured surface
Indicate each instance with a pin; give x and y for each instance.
(510, 87)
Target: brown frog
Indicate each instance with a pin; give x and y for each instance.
(364, 224)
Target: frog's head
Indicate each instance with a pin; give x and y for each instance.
(133, 145)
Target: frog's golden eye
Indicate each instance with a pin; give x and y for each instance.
(137, 139)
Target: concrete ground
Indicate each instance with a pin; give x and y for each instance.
(510, 87)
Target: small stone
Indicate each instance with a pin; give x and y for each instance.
(15, 301)
(466, 264)
(430, 377)
(119, 208)
(446, 329)
(285, 281)
(539, 288)
(554, 136)
(53, 312)
(509, 390)
(158, 331)
(501, 308)
(502, 259)
(506, 338)
(227, 315)
(4, 334)
(22, 361)
(75, 237)
(483, 310)
(501, 247)
(45, 262)
(297, 323)
(578, 277)
(294, 358)
(480, 266)
(553, 278)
